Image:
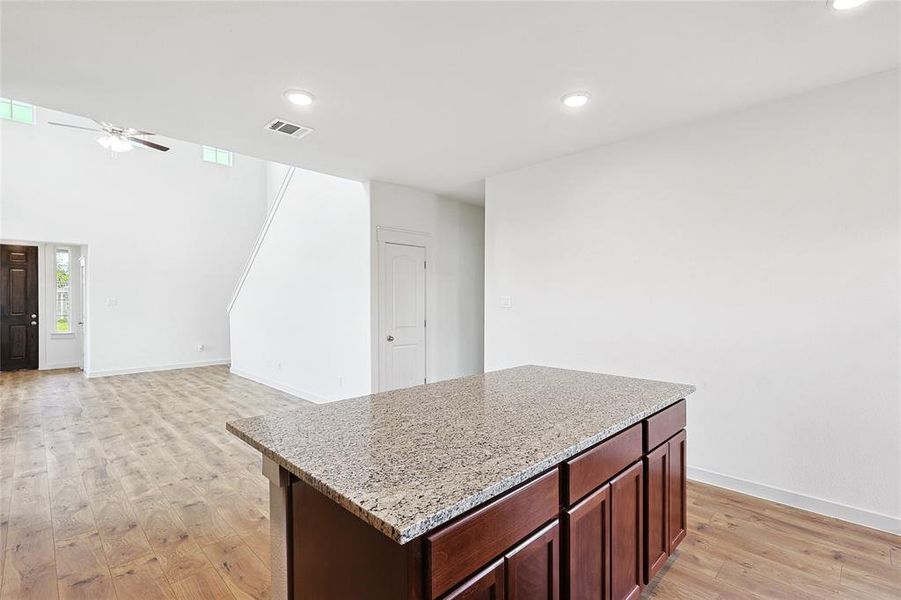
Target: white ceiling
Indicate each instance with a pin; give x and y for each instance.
(435, 96)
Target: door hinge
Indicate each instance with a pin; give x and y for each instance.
(423, 380)
(425, 323)
(425, 264)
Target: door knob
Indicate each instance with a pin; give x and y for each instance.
(34, 316)
(390, 338)
(34, 322)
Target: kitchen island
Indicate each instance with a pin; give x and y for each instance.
(531, 482)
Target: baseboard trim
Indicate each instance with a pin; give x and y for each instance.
(67, 365)
(152, 368)
(303, 395)
(828, 508)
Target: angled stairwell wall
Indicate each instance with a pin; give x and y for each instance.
(300, 316)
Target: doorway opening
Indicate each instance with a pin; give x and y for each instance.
(43, 304)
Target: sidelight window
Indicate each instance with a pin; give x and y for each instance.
(63, 291)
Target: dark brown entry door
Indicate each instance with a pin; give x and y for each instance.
(18, 307)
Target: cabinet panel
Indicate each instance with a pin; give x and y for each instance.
(656, 546)
(469, 543)
(533, 567)
(486, 585)
(677, 509)
(626, 516)
(588, 542)
(335, 554)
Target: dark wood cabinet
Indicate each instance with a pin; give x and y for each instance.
(665, 511)
(530, 571)
(587, 572)
(656, 538)
(594, 467)
(626, 539)
(663, 425)
(621, 534)
(465, 545)
(533, 567)
(593, 528)
(677, 515)
(486, 585)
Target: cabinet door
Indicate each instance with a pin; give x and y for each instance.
(656, 539)
(486, 585)
(533, 567)
(626, 509)
(588, 544)
(677, 509)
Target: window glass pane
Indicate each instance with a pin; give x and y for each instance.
(6, 109)
(223, 157)
(23, 113)
(63, 291)
(209, 154)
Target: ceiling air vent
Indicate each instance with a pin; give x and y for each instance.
(287, 128)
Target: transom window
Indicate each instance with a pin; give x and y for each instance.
(63, 291)
(13, 110)
(217, 155)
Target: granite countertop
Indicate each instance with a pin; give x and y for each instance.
(409, 460)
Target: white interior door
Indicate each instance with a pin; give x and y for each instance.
(402, 326)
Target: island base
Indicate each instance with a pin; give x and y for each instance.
(599, 526)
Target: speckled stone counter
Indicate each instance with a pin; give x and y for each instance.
(409, 460)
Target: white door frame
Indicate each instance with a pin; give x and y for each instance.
(393, 235)
(83, 303)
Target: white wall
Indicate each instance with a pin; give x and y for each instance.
(167, 233)
(301, 321)
(455, 276)
(755, 255)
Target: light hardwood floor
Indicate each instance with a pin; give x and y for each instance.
(130, 487)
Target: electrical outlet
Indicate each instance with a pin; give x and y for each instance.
(506, 302)
(201, 347)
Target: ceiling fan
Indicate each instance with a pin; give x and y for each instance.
(118, 139)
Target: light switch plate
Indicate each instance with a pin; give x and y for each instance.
(506, 302)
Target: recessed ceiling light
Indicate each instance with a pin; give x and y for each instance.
(845, 4)
(299, 97)
(575, 99)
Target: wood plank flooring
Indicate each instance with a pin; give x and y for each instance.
(130, 487)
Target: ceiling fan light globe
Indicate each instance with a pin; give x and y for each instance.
(845, 4)
(115, 143)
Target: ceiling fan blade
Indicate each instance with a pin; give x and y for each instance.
(73, 126)
(153, 145)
